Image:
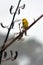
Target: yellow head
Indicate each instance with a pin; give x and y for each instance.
(25, 23)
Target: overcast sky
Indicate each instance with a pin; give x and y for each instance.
(33, 9)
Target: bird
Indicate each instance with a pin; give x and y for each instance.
(25, 24)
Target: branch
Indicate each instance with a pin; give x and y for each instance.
(11, 26)
(14, 39)
(12, 57)
(4, 26)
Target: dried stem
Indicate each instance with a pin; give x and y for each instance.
(14, 39)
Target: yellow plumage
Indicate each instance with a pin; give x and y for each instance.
(25, 23)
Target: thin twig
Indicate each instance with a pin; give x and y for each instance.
(14, 39)
(11, 26)
(11, 58)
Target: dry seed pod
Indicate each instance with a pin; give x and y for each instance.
(5, 54)
(18, 11)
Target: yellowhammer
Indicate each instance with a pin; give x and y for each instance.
(25, 24)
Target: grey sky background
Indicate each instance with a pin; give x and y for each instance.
(30, 51)
(33, 9)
